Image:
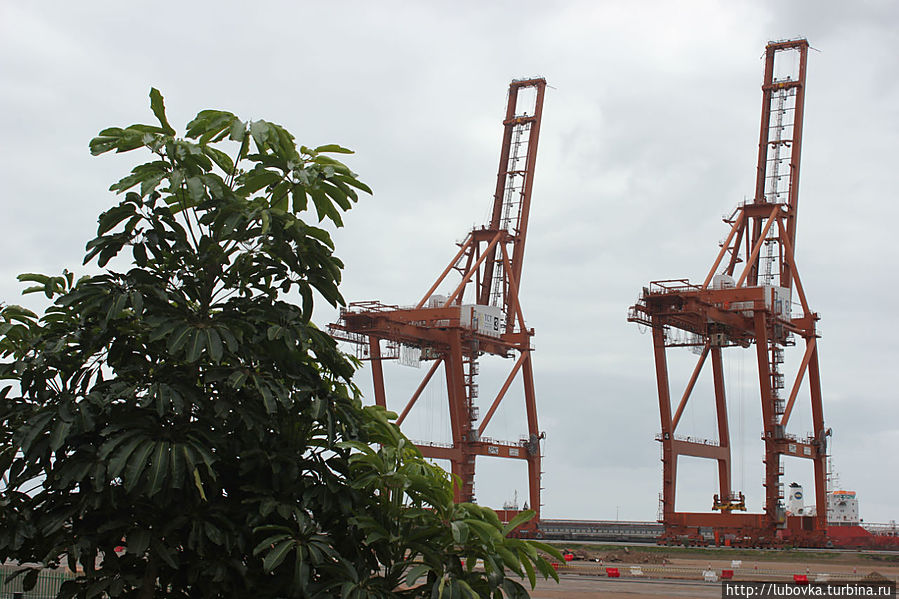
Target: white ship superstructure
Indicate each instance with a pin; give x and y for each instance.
(842, 506)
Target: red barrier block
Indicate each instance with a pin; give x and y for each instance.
(613, 573)
(725, 574)
(800, 578)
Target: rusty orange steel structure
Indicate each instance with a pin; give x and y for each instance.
(482, 314)
(746, 298)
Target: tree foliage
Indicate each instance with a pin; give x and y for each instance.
(177, 428)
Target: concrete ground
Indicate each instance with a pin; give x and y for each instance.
(683, 577)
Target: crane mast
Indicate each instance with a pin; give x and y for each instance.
(747, 299)
(511, 200)
(479, 315)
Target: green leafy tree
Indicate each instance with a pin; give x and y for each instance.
(174, 428)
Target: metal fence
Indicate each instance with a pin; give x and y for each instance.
(48, 583)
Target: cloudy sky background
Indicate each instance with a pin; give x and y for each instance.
(649, 136)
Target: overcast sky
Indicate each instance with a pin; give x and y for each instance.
(649, 136)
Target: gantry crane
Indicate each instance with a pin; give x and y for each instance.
(746, 299)
(482, 314)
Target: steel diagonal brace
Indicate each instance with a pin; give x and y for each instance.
(758, 245)
(513, 284)
(502, 392)
(473, 269)
(465, 246)
(417, 394)
(809, 351)
(788, 247)
(724, 247)
(689, 390)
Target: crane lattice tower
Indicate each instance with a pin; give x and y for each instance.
(746, 299)
(481, 315)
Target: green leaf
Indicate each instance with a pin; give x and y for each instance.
(213, 533)
(279, 195)
(270, 541)
(529, 569)
(211, 126)
(179, 466)
(60, 433)
(34, 428)
(274, 557)
(261, 133)
(214, 344)
(196, 190)
(354, 183)
(510, 559)
(545, 568)
(111, 218)
(547, 548)
(195, 344)
(167, 555)
(484, 530)
(466, 588)
(118, 139)
(138, 541)
(324, 208)
(137, 464)
(198, 483)
(139, 253)
(267, 398)
(158, 108)
(178, 338)
(223, 161)
(158, 468)
(333, 148)
(256, 179)
(30, 579)
(119, 459)
(513, 590)
(415, 573)
(518, 520)
(107, 140)
(238, 131)
(34, 277)
(338, 195)
(237, 379)
(162, 329)
(460, 532)
(14, 312)
(150, 183)
(298, 199)
(228, 337)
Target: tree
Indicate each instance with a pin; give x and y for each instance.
(184, 410)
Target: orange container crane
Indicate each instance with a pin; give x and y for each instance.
(482, 314)
(746, 299)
